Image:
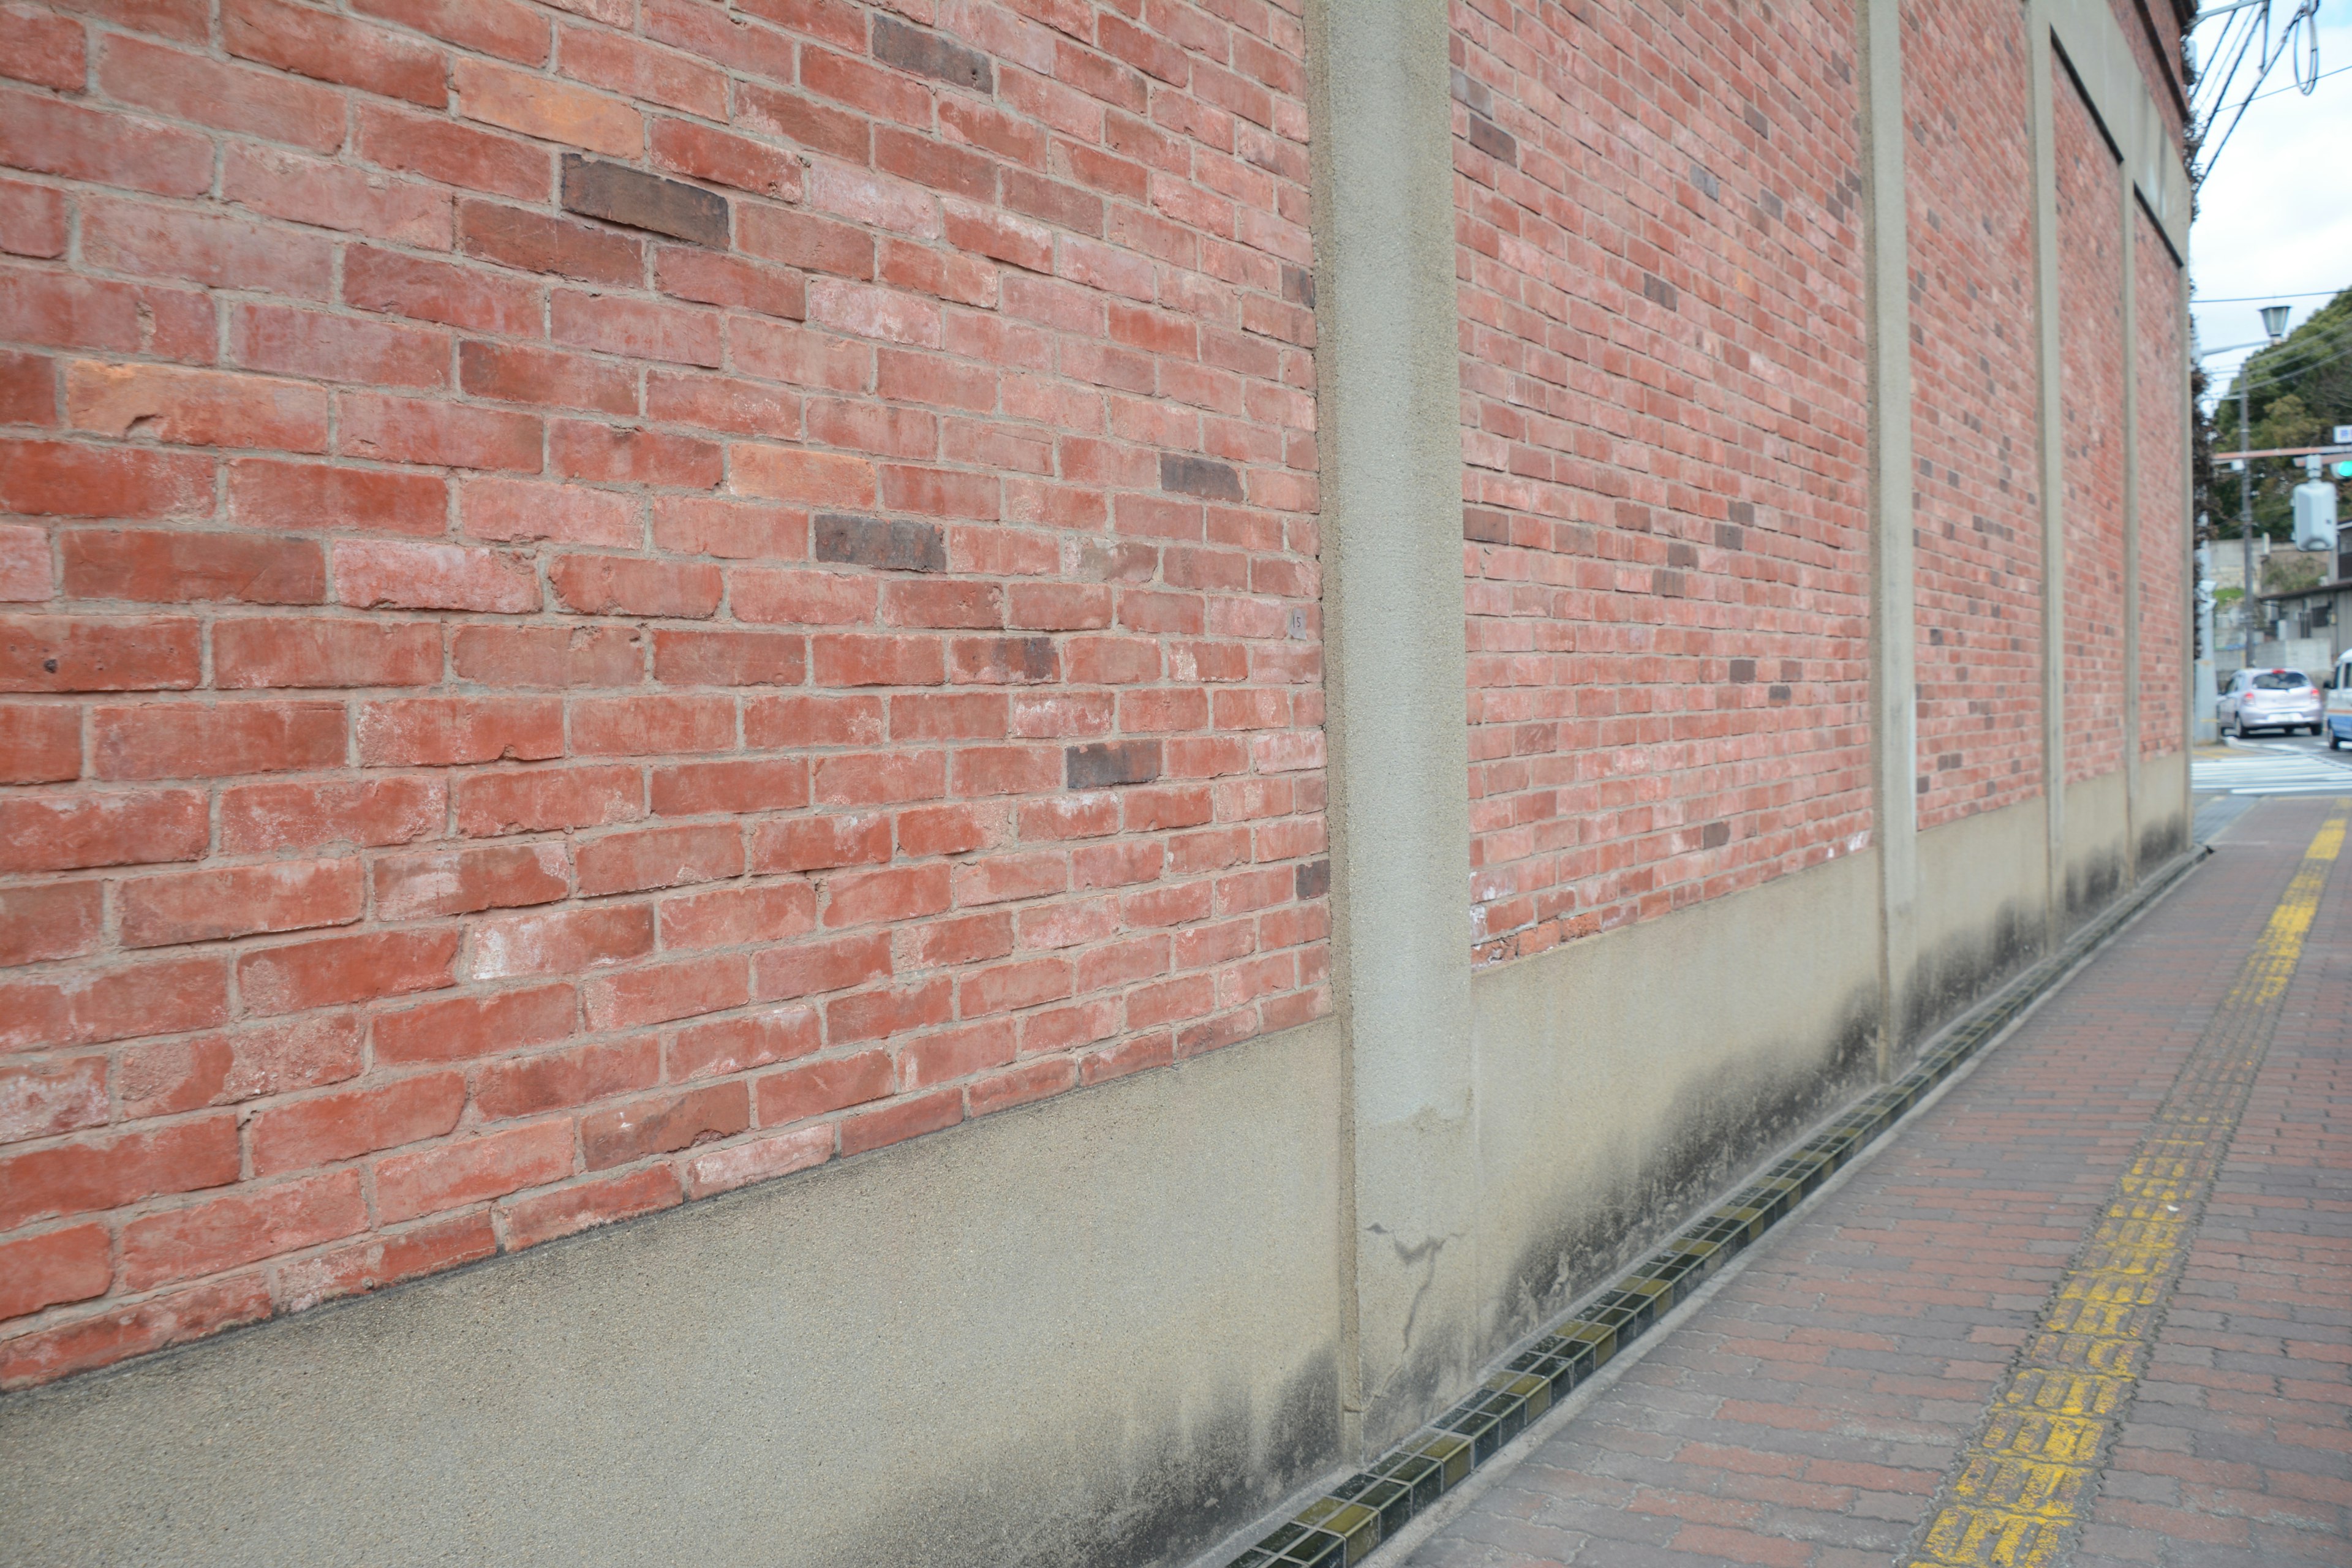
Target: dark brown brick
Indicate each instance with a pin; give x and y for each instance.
(1111, 763)
(886, 545)
(638, 200)
(929, 54)
(1203, 476)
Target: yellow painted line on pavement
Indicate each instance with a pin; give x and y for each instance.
(2017, 1493)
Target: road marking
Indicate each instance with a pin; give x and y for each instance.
(2017, 1495)
(2269, 769)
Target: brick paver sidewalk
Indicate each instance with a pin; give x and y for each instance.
(1809, 1413)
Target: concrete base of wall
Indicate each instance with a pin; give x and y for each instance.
(1624, 1078)
(2098, 845)
(1100, 1329)
(1981, 914)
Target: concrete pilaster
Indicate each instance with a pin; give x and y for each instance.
(2049, 364)
(1894, 690)
(1389, 423)
(2134, 813)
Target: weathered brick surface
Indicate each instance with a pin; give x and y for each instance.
(608, 601)
(1664, 504)
(1806, 1415)
(2164, 605)
(2091, 412)
(1977, 497)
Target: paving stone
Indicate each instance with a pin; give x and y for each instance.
(1808, 1412)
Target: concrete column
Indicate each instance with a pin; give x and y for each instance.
(2049, 362)
(2134, 810)
(1389, 421)
(1894, 683)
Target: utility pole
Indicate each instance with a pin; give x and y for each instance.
(2246, 510)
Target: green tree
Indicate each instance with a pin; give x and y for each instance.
(2297, 391)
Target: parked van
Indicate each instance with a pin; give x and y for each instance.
(2339, 704)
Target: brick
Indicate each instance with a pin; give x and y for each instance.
(818, 1087)
(373, 575)
(58, 310)
(1101, 766)
(472, 1169)
(415, 430)
(151, 1325)
(635, 862)
(645, 726)
(47, 52)
(43, 922)
(325, 1129)
(384, 1259)
(638, 328)
(732, 282)
(224, 251)
(533, 242)
(507, 510)
(165, 1077)
(701, 152)
(547, 1216)
(642, 72)
(445, 731)
(68, 1179)
(333, 971)
(72, 653)
(429, 291)
(44, 1100)
(155, 566)
(32, 222)
(231, 97)
(523, 373)
(557, 657)
(328, 47)
(28, 395)
(729, 658)
(759, 1160)
(266, 653)
(668, 992)
(207, 906)
(459, 1027)
(664, 1123)
(363, 813)
(466, 881)
(544, 800)
(694, 789)
(737, 916)
(602, 453)
(72, 1263)
(816, 478)
(224, 1232)
(55, 478)
(46, 136)
(186, 741)
(627, 585)
(637, 200)
(277, 183)
(557, 1080)
(264, 493)
(909, 1116)
(561, 943)
(932, 55)
(734, 1045)
(1023, 1085)
(453, 155)
(550, 111)
(502, 28)
(338, 348)
(811, 968)
(892, 545)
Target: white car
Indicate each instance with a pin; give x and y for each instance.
(2283, 700)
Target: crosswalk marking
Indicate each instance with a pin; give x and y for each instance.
(2284, 770)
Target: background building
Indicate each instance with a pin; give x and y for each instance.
(1145, 720)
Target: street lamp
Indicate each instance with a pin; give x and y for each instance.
(2275, 320)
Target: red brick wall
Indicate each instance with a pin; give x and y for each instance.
(2153, 30)
(1977, 497)
(2090, 317)
(2163, 517)
(1664, 518)
(533, 696)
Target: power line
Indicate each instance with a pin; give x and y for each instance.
(2250, 298)
(2298, 87)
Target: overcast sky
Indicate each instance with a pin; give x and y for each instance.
(2275, 216)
